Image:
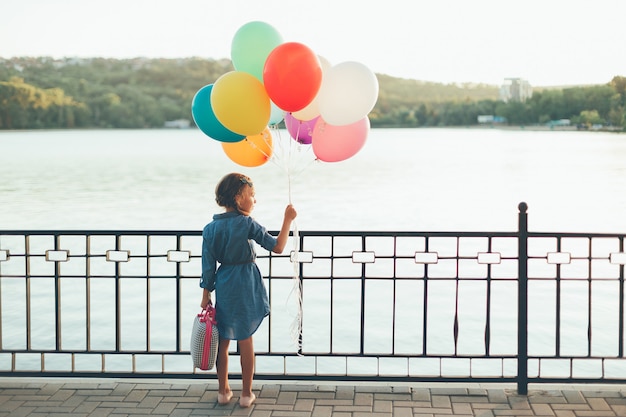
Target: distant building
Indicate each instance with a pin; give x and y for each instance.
(515, 89)
(490, 119)
(177, 124)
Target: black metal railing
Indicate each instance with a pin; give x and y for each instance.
(517, 306)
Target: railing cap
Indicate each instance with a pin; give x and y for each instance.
(523, 207)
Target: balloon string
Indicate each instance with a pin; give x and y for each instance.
(296, 326)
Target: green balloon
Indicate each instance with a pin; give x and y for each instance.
(251, 45)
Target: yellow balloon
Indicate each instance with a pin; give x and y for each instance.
(240, 103)
(253, 151)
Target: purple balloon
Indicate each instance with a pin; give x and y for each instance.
(301, 131)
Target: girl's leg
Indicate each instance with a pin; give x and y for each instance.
(224, 392)
(246, 349)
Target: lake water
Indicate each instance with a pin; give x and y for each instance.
(402, 179)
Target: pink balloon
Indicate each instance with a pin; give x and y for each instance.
(301, 131)
(337, 143)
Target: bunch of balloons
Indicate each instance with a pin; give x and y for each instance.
(323, 106)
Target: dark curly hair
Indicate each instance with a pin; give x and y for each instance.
(228, 187)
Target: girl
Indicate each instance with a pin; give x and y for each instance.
(241, 297)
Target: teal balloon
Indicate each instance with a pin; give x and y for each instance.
(205, 118)
(276, 114)
(251, 46)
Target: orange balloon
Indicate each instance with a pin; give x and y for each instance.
(253, 151)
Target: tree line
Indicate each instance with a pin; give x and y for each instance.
(45, 93)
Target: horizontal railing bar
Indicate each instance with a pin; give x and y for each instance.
(314, 233)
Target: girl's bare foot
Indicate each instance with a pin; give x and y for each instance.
(223, 399)
(246, 402)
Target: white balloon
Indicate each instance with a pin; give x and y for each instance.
(311, 111)
(348, 93)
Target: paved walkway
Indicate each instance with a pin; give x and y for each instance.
(118, 398)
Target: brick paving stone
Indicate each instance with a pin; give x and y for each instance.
(316, 395)
(86, 408)
(94, 392)
(598, 404)
(542, 409)
(616, 401)
(147, 402)
(441, 401)
(270, 391)
(619, 410)
(402, 412)
(328, 388)
(462, 408)
(49, 389)
(401, 389)
(362, 398)
(519, 403)
(123, 389)
(383, 406)
(291, 414)
(603, 394)
(180, 413)
(322, 411)
(373, 388)
(432, 410)
(304, 405)
(393, 397)
(287, 398)
(18, 412)
(344, 392)
(497, 396)
(75, 401)
(333, 402)
(261, 413)
(469, 399)
(134, 395)
(298, 387)
(166, 392)
(198, 390)
(279, 407)
(101, 412)
(573, 407)
(420, 394)
(353, 408)
(85, 384)
(164, 408)
(448, 391)
(574, 397)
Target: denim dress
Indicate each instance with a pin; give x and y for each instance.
(229, 268)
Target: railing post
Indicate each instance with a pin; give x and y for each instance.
(522, 313)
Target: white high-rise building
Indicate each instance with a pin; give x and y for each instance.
(515, 89)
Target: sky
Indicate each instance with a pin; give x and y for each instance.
(547, 42)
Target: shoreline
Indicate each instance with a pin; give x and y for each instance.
(611, 129)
